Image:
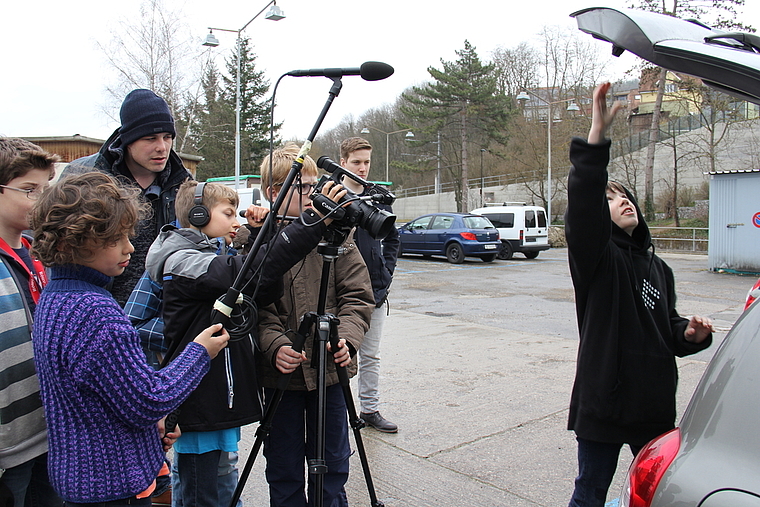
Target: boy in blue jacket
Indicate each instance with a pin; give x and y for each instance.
(94, 377)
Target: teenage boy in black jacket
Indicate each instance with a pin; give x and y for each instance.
(380, 256)
(630, 331)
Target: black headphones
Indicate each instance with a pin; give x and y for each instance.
(199, 215)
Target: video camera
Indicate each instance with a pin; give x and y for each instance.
(360, 212)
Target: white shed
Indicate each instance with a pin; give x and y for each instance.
(735, 221)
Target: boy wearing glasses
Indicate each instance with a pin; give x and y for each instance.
(25, 171)
(349, 297)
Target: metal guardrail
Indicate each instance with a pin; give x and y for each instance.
(472, 183)
(695, 239)
(673, 239)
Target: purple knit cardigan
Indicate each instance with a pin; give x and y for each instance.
(102, 400)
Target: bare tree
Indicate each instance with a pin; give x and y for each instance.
(565, 69)
(155, 51)
(516, 68)
(717, 13)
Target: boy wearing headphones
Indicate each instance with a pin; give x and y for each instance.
(193, 277)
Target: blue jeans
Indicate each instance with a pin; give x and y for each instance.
(29, 484)
(292, 441)
(198, 478)
(226, 480)
(597, 462)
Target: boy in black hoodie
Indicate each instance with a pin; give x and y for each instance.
(630, 331)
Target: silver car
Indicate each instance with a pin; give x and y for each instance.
(712, 459)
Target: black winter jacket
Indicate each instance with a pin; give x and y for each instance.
(193, 278)
(630, 331)
(380, 256)
(161, 196)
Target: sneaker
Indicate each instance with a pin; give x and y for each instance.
(379, 422)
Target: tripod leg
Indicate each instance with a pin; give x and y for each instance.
(317, 466)
(266, 422)
(356, 423)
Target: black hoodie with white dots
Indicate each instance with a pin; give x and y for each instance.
(630, 331)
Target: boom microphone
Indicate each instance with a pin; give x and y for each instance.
(369, 71)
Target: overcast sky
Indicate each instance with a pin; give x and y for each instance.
(54, 76)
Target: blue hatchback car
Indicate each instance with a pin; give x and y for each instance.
(455, 235)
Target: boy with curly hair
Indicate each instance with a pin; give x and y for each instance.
(104, 404)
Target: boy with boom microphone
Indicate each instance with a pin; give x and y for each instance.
(94, 377)
(193, 277)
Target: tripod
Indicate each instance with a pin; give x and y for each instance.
(325, 329)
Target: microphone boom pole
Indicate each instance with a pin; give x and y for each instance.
(223, 308)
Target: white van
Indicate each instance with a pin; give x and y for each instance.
(248, 196)
(522, 228)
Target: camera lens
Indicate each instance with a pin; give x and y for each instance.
(377, 222)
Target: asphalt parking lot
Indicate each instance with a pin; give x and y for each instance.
(478, 363)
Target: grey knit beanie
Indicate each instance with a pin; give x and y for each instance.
(144, 113)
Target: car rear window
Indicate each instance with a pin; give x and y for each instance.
(541, 218)
(477, 222)
(530, 219)
(501, 219)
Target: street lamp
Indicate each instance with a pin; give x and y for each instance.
(275, 14)
(482, 150)
(524, 96)
(409, 136)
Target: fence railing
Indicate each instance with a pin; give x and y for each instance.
(674, 239)
(694, 239)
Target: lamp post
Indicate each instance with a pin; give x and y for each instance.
(482, 150)
(524, 96)
(409, 136)
(275, 14)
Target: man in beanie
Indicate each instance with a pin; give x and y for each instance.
(139, 153)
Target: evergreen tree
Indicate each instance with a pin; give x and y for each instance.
(463, 101)
(214, 137)
(255, 108)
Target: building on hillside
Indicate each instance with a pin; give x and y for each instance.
(734, 221)
(73, 147)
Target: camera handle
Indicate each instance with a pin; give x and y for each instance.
(325, 328)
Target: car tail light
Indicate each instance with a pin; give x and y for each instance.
(754, 293)
(522, 233)
(468, 235)
(648, 468)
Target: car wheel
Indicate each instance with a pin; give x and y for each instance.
(531, 255)
(454, 254)
(488, 258)
(505, 251)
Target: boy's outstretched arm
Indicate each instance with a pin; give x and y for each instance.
(602, 116)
